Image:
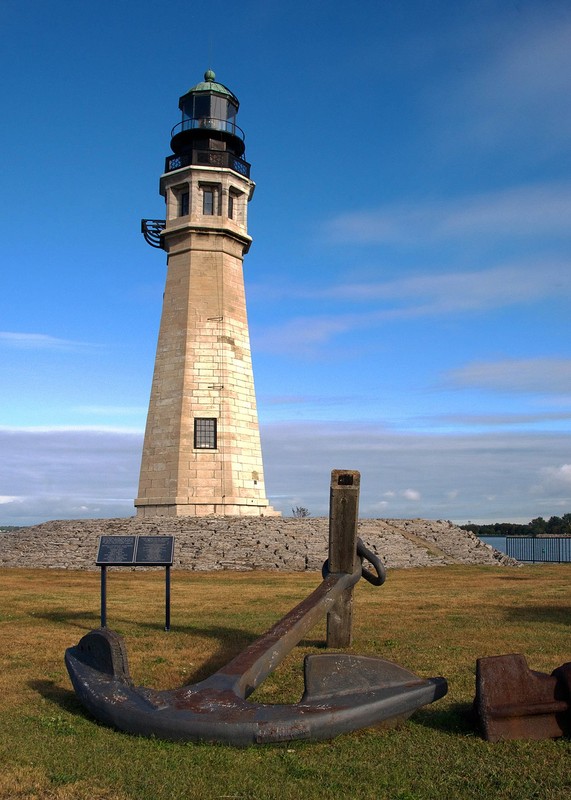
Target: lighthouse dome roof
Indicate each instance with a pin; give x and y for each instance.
(210, 84)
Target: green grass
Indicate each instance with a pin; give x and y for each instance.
(433, 621)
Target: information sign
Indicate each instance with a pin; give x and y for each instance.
(115, 550)
(135, 551)
(155, 550)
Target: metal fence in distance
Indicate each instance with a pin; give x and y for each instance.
(555, 549)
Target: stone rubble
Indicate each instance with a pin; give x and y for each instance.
(247, 543)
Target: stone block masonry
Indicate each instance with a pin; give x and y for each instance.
(247, 543)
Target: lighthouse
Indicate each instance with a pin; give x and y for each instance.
(201, 453)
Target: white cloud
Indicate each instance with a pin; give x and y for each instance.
(455, 476)
(111, 410)
(518, 476)
(499, 419)
(557, 476)
(418, 296)
(539, 375)
(475, 290)
(38, 341)
(60, 473)
(522, 88)
(303, 335)
(523, 211)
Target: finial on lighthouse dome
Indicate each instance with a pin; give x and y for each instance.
(209, 76)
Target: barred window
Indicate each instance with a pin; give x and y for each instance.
(205, 433)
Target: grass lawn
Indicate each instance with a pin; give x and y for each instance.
(433, 621)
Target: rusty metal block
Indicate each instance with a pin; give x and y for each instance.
(515, 702)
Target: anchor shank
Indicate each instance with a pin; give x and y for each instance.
(253, 665)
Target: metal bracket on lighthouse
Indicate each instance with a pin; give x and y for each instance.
(342, 693)
(151, 230)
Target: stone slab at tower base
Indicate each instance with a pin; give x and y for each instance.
(221, 509)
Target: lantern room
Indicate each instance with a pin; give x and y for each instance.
(209, 112)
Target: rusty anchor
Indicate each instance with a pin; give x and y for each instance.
(342, 693)
(515, 702)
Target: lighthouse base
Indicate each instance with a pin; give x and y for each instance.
(217, 509)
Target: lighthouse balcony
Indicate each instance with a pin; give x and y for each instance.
(208, 158)
(208, 123)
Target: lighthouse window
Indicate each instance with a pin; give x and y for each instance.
(183, 204)
(211, 199)
(205, 433)
(233, 203)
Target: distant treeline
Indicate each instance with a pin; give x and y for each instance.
(554, 526)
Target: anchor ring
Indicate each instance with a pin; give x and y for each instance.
(376, 578)
(381, 574)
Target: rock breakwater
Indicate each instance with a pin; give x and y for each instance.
(238, 543)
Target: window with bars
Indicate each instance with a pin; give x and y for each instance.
(205, 433)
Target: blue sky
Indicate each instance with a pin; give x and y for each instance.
(408, 285)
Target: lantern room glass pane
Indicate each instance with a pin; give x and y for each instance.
(202, 106)
(218, 107)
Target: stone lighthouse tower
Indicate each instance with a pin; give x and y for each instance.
(202, 452)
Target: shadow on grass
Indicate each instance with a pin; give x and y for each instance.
(71, 618)
(558, 614)
(231, 642)
(64, 698)
(457, 719)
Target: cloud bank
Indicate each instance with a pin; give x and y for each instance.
(67, 474)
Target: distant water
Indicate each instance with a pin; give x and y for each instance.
(499, 542)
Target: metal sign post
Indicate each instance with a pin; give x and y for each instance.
(167, 598)
(103, 596)
(135, 551)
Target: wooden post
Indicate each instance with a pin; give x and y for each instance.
(343, 518)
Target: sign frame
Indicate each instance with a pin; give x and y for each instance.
(135, 551)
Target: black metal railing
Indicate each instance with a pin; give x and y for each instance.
(209, 123)
(554, 549)
(208, 158)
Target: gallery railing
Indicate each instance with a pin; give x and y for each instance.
(208, 158)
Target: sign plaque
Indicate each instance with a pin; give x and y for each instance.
(116, 550)
(135, 551)
(154, 550)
